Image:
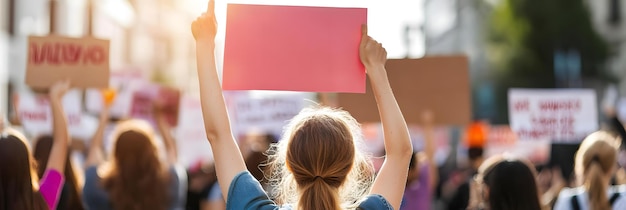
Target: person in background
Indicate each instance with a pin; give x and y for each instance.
(460, 198)
(20, 187)
(422, 177)
(319, 158)
(71, 192)
(595, 165)
(134, 176)
(505, 183)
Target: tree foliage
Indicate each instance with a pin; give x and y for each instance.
(523, 36)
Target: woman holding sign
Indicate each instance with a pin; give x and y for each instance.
(319, 157)
(20, 187)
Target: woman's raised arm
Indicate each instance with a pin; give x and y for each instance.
(391, 179)
(228, 159)
(60, 147)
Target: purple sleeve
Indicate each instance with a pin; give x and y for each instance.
(50, 187)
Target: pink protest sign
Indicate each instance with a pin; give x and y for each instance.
(294, 48)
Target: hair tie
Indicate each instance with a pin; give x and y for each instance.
(595, 158)
(318, 177)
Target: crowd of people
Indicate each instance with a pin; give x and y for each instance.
(318, 162)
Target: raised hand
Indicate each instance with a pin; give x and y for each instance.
(372, 53)
(204, 28)
(59, 89)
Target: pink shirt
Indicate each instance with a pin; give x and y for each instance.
(50, 187)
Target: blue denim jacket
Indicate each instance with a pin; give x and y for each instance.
(246, 193)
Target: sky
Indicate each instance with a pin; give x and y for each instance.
(386, 19)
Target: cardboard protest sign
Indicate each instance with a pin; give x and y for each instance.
(125, 83)
(501, 139)
(294, 48)
(85, 61)
(35, 113)
(561, 115)
(144, 99)
(439, 84)
(192, 143)
(266, 114)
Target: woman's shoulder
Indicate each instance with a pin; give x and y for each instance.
(374, 201)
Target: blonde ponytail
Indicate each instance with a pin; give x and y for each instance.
(596, 188)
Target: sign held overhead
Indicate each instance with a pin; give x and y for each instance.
(85, 61)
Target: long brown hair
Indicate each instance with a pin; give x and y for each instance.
(19, 184)
(595, 161)
(70, 199)
(135, 177)
(320, 164)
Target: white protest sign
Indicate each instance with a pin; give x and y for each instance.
(193, 145)
(36, 115)
(502, 139)
(561, 115)
(265, 113)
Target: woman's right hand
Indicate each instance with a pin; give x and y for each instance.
(373, 55)
(204, 28)
(58, 90)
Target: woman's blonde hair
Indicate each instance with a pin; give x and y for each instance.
(320, 163)
(596, 158)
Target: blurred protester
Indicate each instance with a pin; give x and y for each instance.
(475, 140)
(595, 165)
(422, 177)
(200, 179)
(505, 183)
(20, 187)
(550, 183)
(134, 176)
(70, 198)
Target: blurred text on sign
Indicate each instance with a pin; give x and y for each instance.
(84, 61)
(561, 115)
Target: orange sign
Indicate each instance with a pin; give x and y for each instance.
(85, 61)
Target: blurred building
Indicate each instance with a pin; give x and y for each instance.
(151, 36)
(609, 20)
(458, 27)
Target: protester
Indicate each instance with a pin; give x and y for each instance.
(596, 163)
(460, 199)
(422, 178)
(70, 198)
(319, 150)
(505, 183)
(134, 176)
(20, 187)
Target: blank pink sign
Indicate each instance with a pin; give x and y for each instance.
(294, 48)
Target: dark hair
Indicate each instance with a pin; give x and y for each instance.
(71, 194)
(18, 180)
(512, 185)
(136, 177)
(413, 161)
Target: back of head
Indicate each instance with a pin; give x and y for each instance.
(595, 161)
(18, 180)
(135, 177)
(324, 166)
(71, 195)
(512, 184)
